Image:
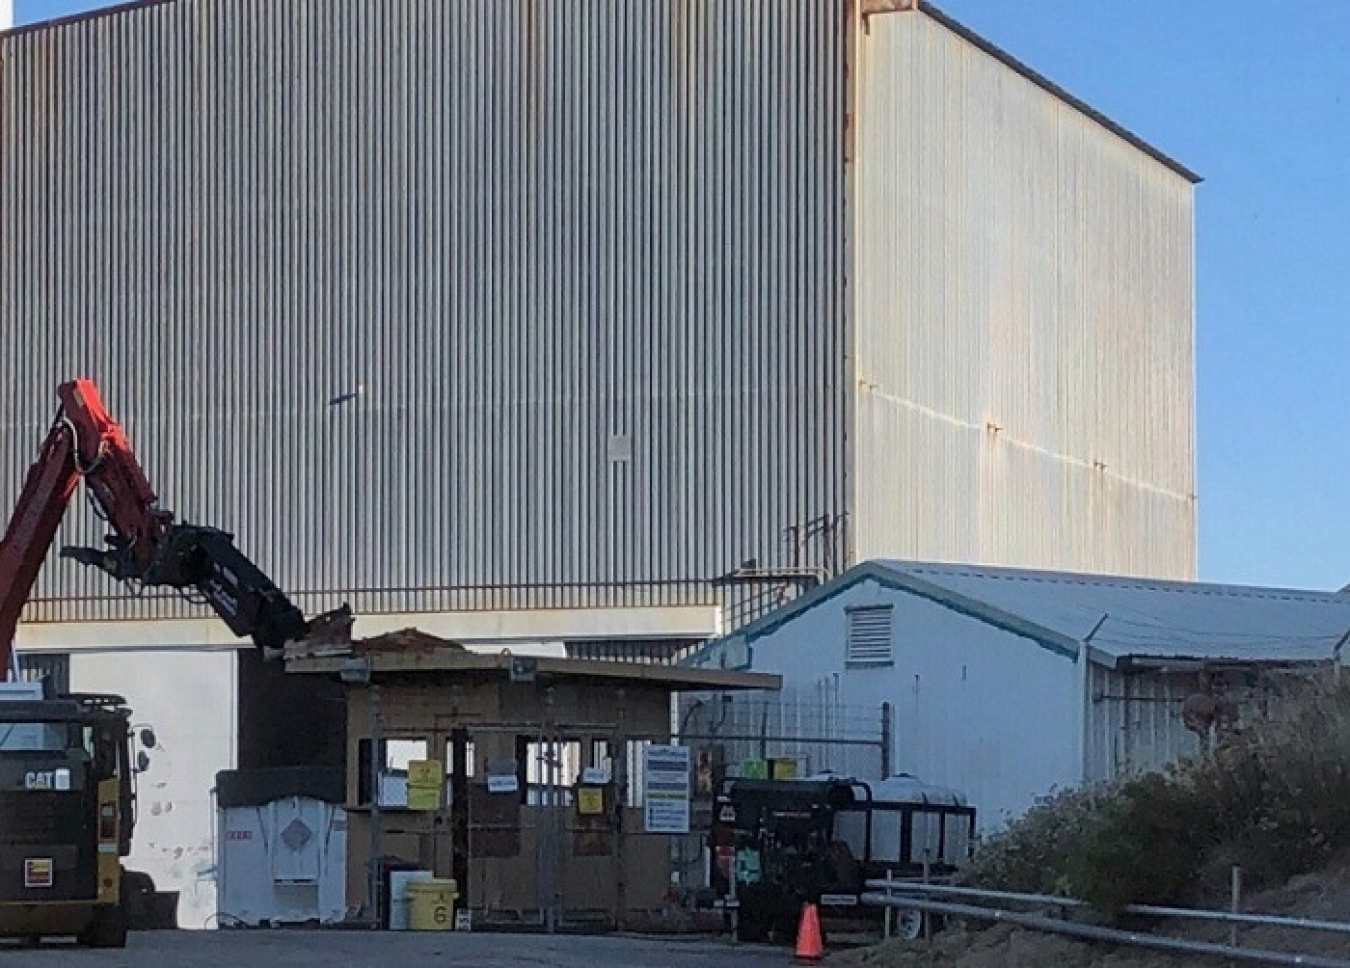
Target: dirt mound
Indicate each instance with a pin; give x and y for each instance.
(1004, 946)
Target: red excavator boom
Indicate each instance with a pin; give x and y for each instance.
(147, 544)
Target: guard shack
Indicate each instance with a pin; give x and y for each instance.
(549, 789)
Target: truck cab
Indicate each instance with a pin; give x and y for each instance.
(66, 814)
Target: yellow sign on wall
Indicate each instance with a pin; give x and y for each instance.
(590, 801)
(425, 778)
(424, 773)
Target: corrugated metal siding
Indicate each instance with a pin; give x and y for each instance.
(1024, 322)
(579, 261)
(1134, 722)
(1135, 718)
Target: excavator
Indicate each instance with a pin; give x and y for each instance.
(67, 772)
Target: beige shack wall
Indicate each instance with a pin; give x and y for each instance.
(431, 706)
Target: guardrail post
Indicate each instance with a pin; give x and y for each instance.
(927, 874)
(1235, 904)
(886, 931)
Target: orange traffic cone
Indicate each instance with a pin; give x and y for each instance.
(809, 946)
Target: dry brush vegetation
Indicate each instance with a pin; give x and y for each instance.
(1272, 797)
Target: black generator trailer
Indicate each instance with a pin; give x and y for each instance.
(788, 842)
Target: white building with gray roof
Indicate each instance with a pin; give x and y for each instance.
(1009, 683)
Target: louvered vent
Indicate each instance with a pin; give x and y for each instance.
(869, 636)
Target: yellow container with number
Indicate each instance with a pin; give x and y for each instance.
(431, 904)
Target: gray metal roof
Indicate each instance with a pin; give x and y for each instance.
(1117, 619)
(1157, 619)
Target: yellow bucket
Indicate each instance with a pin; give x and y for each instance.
(431, 904)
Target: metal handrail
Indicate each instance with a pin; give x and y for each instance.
(1094, 933)
(1055, 900)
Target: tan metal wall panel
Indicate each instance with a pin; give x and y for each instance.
(579, 262)
(1024, 313)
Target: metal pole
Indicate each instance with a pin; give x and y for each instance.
(733, 898)
(927, 879)
(887, 742)
(1235, 904)
(376, 772)
(889, 917)
(620, 779)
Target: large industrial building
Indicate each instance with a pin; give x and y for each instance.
(574, 324)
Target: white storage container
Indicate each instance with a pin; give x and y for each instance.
(281, 847)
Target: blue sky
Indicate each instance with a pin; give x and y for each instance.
(1253, 96)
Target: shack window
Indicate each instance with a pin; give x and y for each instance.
(396, 754)
(869, 635)
(551, 771)
(470, 757)
(636, 772)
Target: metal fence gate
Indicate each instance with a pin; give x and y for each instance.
(548, 825)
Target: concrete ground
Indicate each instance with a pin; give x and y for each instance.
(338, 949)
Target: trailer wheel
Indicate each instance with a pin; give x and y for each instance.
(909, 924)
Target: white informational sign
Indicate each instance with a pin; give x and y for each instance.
(666, 789)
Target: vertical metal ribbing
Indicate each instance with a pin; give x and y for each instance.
(525, 230)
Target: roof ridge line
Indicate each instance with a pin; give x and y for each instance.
(1173, 585)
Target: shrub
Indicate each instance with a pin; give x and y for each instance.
(1142, 846)
(1031, 855)
(1280, 792)
(1274, 798)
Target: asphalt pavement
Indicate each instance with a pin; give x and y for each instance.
(337, 949)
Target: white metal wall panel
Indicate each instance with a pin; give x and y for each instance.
(188, 698)
(1024, 313)
(956, 721)
(572, 271)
